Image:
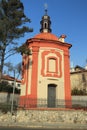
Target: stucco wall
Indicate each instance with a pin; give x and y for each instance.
(43, 81)
(78, 80)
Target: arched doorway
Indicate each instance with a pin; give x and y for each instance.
(51, 95)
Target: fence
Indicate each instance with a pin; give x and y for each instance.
(44, 103)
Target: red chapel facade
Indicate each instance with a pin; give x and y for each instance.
(46, 71)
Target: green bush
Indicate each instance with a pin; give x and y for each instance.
(6, 107)
(77, 91)
(6, 87)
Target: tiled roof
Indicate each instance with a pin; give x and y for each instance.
(10, 78)
(47, 36)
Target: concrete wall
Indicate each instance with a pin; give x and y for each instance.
(79, 98)
(79, 101)
(5, 97)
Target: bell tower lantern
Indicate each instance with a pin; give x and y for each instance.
(45, 23)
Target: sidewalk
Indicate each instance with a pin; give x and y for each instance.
(47, 125)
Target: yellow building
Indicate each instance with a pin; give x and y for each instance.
(78, 77)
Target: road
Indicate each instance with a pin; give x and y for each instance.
(12, 128)
(21, 128)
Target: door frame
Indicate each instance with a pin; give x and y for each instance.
(51, 99)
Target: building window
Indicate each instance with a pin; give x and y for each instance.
(52, 65)
(45, 25)
(12, 83)
(18, 85)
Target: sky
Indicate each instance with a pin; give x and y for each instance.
(68, 17)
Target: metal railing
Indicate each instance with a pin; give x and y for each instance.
(27, 103)
(58, 103)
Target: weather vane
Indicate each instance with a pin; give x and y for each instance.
(45, 6)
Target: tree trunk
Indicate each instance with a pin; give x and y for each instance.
(2, 61)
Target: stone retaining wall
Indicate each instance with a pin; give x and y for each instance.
(68, 116)
(56, 116)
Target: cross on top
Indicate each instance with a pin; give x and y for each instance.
(45, 6)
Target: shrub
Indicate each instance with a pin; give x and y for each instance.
(77, 91)
(6, 107)
(6, 87)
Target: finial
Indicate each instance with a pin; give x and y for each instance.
(45, 6)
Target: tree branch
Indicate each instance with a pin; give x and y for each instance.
(9, 55)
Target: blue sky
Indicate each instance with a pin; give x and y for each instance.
(68, 17)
